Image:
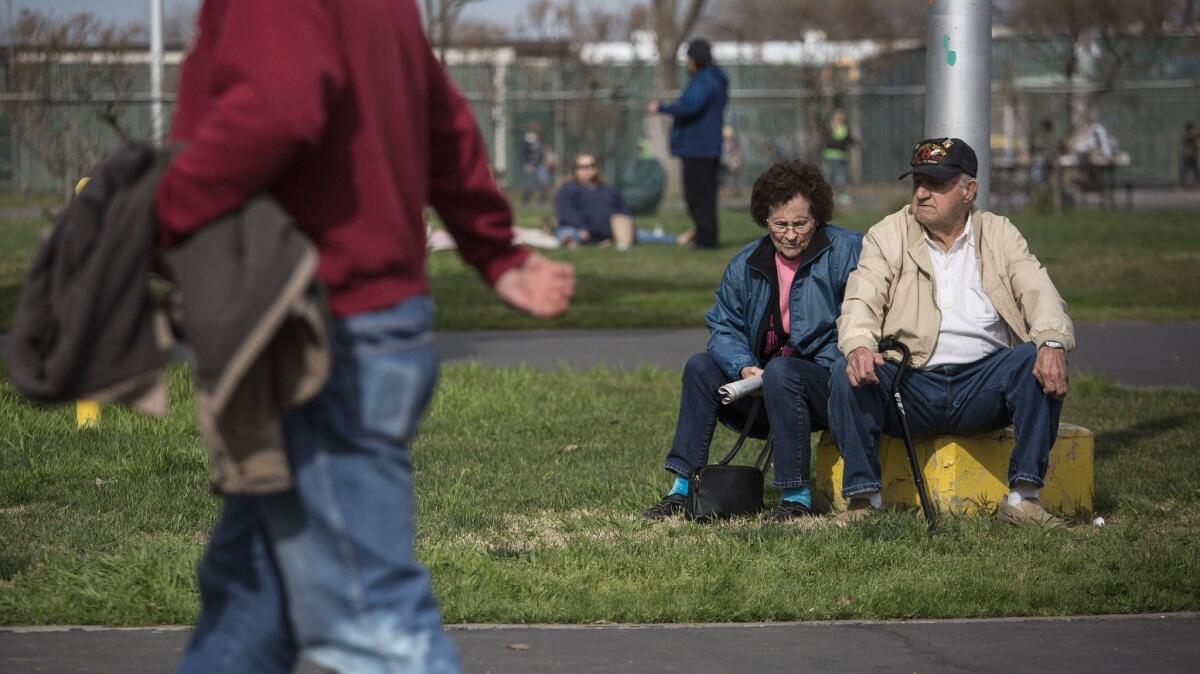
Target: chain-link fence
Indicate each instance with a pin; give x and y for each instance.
(51, 136)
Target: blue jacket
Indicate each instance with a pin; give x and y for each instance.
(590, 208)
(737, 322)
(699, 115)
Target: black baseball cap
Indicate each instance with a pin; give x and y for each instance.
(943, 159)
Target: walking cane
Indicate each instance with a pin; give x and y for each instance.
(889, 344)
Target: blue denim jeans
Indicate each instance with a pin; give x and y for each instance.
(327, 568)
(639, 236)
(795, 396)
(971, 398)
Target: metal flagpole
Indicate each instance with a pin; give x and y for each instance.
(958, 78)
(156, 70)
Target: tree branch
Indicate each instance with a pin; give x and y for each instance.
(689, 20)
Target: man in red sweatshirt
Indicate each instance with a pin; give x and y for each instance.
(339, 110)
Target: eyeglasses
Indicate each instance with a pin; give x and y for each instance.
(800, 226)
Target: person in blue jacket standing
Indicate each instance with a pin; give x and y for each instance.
(699, 116)
(776, 316)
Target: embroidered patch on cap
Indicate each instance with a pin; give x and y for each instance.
(929, 153)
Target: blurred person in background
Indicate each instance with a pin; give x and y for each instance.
(590, 211)
(731, 161)
(342, 113)
(1189, 155)
(774, 317)
(836, 154)
(537, 165)
(699, 115)
(644, 181)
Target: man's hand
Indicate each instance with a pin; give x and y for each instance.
(539, 287)
(860, 366)
(1050, 369)
(652, 107)
(751, 371)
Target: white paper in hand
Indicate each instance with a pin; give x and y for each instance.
(741, 388)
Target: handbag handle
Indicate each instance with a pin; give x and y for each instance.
(737, 447)
(764, 456)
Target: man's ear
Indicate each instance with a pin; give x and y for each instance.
(972, 190)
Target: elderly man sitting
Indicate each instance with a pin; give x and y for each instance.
(989, 334)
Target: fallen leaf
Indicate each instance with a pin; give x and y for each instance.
(844, 600)
(518, 647)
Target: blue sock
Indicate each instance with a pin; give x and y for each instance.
(680, 487)
(802, 495)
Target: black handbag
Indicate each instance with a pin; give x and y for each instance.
(720, 491)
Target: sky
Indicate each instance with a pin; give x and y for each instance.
(503, 12)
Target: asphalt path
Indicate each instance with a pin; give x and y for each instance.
(1143, 353)
(1137, 353)
(1151, 643)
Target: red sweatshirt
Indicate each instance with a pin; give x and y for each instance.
(339, 109)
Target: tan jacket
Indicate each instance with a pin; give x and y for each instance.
(891, 292)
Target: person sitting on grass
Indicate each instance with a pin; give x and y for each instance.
(774, 316)
(590, 211)
(989, 335)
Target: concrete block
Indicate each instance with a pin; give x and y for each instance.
(966, 473)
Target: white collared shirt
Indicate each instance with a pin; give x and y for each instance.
(971, 327)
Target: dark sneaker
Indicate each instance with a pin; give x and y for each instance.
(670, 505)
(789, 510)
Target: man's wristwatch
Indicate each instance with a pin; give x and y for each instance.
(1054, 344)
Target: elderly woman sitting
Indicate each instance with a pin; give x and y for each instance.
(591, 211)
(775, 315)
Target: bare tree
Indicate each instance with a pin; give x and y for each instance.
(672, 28)
(601, 109)
(1096, 34)
(570, 20)
(476, 32)
(68, 89)
(757, 20)
(441, 19)
(179, 24)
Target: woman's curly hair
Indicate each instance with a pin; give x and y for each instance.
(785, 180)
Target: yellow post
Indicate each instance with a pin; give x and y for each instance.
(87, 412)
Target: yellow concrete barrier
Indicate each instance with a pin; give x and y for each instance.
(87, 414)
(967, 473)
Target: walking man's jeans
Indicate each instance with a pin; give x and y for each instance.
(795, 396)
(700, 193)
(327, 568)
(972, 398)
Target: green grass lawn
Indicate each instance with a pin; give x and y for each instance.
(1142, 265)
(529, 513)
(1108, 266)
